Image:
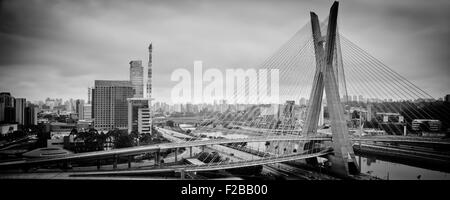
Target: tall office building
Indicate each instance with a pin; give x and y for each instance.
(302, 102)
(139, 105)
(110, 104)
(79, 108)
(137, 78)
(31, 115)
(287, 117)
(87, 108)
(87, 112)
(346, 98)
(6, 106)
(361, 98)
(148, 78)
(19, 105)
(89, 95)
(369, 112)
(288, 111)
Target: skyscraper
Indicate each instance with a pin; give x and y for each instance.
(149, 72)
(110, 104)
(89, 95)
(139, 107)
(346, 98)
(6, 105)
(302, 101)
(360, 98)
(137, 78)
(79, 108)
(31, 115)
(19, 105)
(87, 112)
(87, 108)
(288, 110)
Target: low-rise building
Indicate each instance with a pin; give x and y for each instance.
(8, 128)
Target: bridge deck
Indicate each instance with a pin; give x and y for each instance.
(195, 161)
(200, 167)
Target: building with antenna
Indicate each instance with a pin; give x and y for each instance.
(137, 78)
(139, 107)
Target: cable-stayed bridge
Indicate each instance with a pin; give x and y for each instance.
(317, 62)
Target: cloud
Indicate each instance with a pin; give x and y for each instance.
(58, 48)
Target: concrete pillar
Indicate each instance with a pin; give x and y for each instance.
(190, 151)
(176, 155)
(129, 161)
(157, 158)
(115, 162)
(359, 163)
(182, 174)
(130, 114)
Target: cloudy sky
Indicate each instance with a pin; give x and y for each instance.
(58, 48)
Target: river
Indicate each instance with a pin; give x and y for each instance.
(395, 171)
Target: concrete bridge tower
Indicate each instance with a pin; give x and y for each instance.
(343, 160)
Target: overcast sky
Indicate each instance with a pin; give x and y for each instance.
(58, 48)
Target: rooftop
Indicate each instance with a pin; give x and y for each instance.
(112, 83)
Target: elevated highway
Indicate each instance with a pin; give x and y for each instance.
(179, 141)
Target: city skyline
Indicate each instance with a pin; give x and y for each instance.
(72, 44)
(211, 90)
(300, 101)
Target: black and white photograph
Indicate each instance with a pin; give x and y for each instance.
(199, 90)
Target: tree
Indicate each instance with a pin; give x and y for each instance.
(121, 138)
(123, 141)
(170, 123)
(114, 133)
(101, 140)
(135, 136)
(93, 130)
(355, 115)
(74, 131)
(146, 139)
